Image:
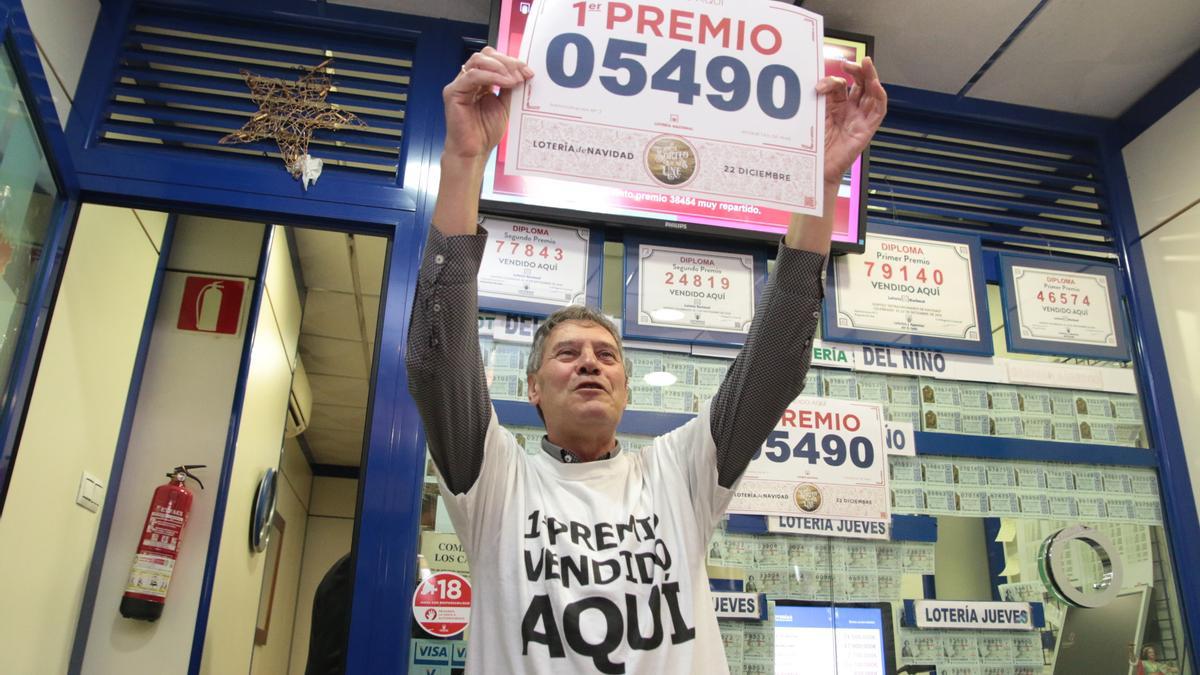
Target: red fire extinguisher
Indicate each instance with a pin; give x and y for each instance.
(158, 549)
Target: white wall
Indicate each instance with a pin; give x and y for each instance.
(330, 533)
(229, 640)
(1164, 176)
(295, 486)
(1163, 164)
(294, 467)
(183, 415)
(72, 426)
(63, 30)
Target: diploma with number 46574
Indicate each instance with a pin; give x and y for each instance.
(699, 101)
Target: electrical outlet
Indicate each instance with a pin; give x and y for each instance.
(91, 492)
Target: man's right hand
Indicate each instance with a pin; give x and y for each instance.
(476, 118)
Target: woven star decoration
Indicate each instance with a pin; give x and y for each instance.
(289, 112)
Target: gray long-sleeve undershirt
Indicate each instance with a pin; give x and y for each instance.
(447, 381)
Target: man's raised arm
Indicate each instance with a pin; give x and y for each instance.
(445, 371)
(769, 371)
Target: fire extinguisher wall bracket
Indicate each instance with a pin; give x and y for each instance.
(186, 470)
(263, 512)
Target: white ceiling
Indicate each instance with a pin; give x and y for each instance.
(342, 275)
(1094, 57)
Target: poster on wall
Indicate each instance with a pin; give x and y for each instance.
(911, 288)
(1062, 307)
(823, 470)
(690, 293)
(704, 102)
(536, 268)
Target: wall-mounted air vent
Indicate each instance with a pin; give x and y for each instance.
(1013, 188)
(179, 85)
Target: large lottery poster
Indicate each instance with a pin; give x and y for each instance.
(707, 102)
(713, 82)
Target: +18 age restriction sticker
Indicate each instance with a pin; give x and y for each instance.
(442, 604)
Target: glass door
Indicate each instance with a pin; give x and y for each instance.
(38, 202)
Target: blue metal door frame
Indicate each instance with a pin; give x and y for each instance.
(1154, 384)
(387, 530)
(17, 39)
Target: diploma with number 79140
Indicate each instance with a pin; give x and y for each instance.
(701, 102)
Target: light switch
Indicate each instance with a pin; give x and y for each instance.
(91, 492)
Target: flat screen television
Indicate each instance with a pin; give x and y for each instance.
(815, 637)
(586, 204)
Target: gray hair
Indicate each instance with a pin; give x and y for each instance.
(571, 313)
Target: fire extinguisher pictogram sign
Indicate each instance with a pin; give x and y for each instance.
(212, 305)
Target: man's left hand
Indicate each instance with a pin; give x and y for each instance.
(851, 118)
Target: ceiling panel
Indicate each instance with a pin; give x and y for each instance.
(1088, 56)
(338, 418)
(329, 356)
(1095, 57)
(370, 252)
(339, 390)
(331, 314)
(335, 447)
(928, 44)
(325, 259)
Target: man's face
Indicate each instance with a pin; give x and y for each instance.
(581, 385)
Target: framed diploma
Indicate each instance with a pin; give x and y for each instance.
(704, 103)
(911, 288)
(690, 294)
(536, 268)
(1062, 307)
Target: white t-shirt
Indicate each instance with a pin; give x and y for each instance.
(596, 566)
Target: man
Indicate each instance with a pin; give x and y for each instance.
(588, 557)
(329, 631)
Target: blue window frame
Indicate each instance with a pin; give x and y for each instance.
(39, 198)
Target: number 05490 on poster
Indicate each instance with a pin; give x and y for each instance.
(824, 460)
(711, 101)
